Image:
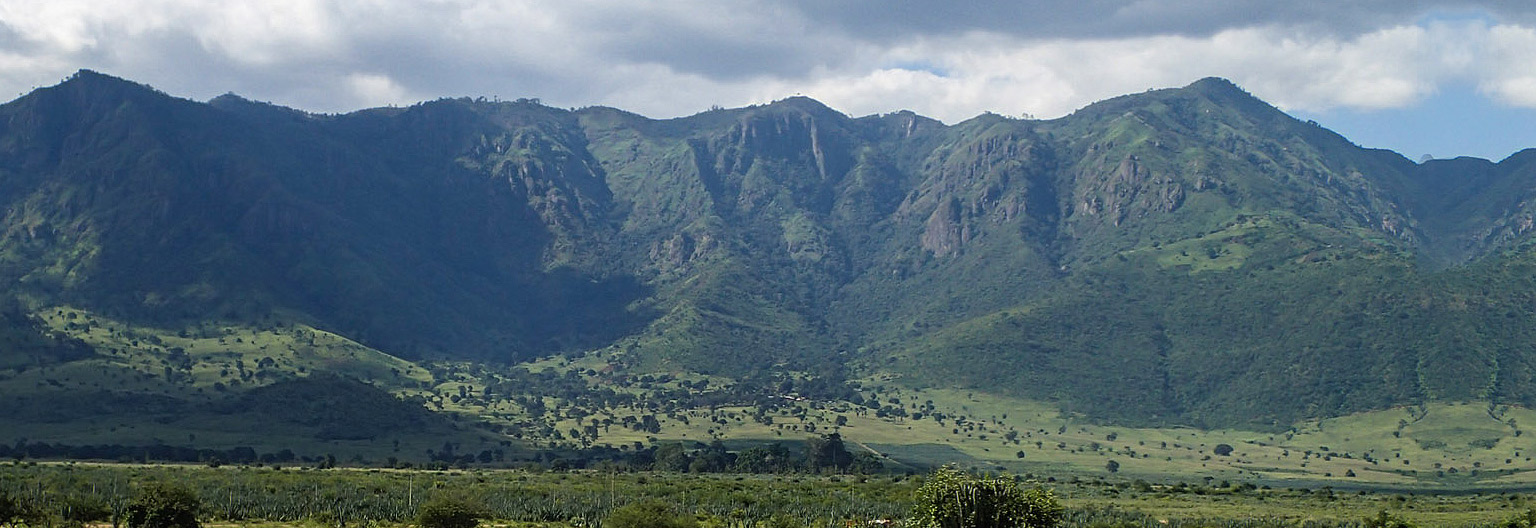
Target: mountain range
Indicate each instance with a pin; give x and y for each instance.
(1187, 256)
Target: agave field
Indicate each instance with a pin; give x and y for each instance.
(351, 497)
(76, 494)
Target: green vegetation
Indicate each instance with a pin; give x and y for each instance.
(649, 514)
(161, 505)
(443, 511)
(1386, 520)
(1525, 520)
(776, 289)
(951, 499)
(588, 410)
(249, 496)
(12, 511)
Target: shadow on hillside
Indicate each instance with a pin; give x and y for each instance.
(567, 310)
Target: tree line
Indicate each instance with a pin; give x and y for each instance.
(819, 454)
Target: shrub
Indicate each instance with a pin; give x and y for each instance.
(161, 505)
(449, 512)
(81, 511)
(780, 520)
(12, 511)
(649, 514)
(1386, 520)
(1523, 520)
(953, 499)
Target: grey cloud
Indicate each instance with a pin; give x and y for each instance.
(13, 42)
(579, 53)
(723, 58)
(896, 20)
(752, 42)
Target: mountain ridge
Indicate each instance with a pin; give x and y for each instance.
(1170, 257)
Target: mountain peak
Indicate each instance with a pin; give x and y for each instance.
(88, 89)
(235, 104)
(87, 96)
(1227, 93)
(229, 98)
(805, 104)
(1215, 84)
(86, 75)
(94, 81)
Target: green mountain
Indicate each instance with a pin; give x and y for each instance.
(1188, 256)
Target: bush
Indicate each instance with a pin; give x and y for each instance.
(1386, 520)
(12, 511)
(649, 514)
(81, 511)
(953, 499)
(780, 520)
(1523, 520)
(161, 505)
(449, 512)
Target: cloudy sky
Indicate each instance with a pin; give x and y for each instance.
(1441, 77)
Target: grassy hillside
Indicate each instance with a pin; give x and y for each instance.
(224, 386)
(277, 395)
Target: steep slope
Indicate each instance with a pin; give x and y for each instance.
(1172, 163)
(972, 234)
(1221, 257)
(1472, 207)
(725, 213)
(439, 232)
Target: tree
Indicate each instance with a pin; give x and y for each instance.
(712, 459)
(649, 514)
(866, 463)
(774, 458)
(827, 452)
(672, 457)
(444, 511)
(953, 499)
(162, 505)
(1222, 450)
(1112, 466)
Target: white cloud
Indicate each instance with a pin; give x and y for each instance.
(269, 32)
(1510, 73)
(1387, 68)
(377, 90)
(677, 57)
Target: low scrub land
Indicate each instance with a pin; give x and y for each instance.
(75, 494)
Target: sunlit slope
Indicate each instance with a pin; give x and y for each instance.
(221, 386)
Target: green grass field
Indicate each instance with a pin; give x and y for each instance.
(1437, 446)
